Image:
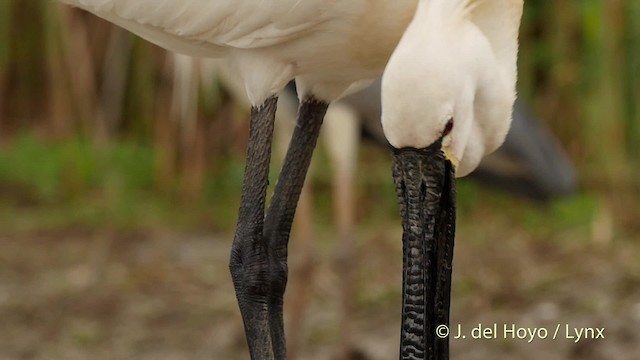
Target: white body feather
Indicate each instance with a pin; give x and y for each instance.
(329, 46)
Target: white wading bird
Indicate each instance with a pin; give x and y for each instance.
(530, 164)
(448, 89)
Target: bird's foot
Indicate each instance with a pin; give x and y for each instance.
(260, 280)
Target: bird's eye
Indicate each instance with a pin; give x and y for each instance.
(448, 127)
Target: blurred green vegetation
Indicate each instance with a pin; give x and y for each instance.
(68, 184)
(76, 185)
(78, 147)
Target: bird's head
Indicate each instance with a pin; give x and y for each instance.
(446, 103)
(445, 83)
(422, 102)
(428, 98)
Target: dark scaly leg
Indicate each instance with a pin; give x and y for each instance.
(282, 208)
(249, 263)
(259, 253)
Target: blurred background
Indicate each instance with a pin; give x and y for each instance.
(119, 195)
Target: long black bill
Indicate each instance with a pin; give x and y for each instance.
(425, 184)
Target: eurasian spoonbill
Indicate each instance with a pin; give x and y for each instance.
(447, 96)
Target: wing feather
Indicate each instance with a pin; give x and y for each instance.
(207, 27)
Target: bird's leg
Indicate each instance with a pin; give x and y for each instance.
(249, 263)
(278, 221)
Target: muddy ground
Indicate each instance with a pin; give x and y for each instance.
(164, 295)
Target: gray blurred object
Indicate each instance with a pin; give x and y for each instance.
(531, 163)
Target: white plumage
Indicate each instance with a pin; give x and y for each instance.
(456, 62)
(328, 46)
